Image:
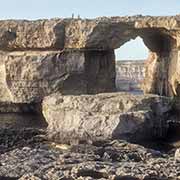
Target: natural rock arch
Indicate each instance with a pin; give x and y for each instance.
(161, 46)
(76, 56)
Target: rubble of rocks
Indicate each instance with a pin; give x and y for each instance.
(34, 157)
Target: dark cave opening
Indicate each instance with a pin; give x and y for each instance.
(173, 133)
(157, 40)
(169, 142)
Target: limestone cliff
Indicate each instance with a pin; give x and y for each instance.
(76, 56)
(130, 75)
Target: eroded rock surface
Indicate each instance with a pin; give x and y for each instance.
(106, 116)
(32, 35)
(31, 75)
(73, 57)
(76, 56)
(33, 157)
(99, 33)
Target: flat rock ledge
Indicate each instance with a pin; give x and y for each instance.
(72, 119)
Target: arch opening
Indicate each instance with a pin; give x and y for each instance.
(130, 65)
(173, 133)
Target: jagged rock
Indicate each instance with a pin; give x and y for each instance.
(177, 155)
(99, 33)
(29, 177)
(31, 35)
(83, 162)
(105, 116)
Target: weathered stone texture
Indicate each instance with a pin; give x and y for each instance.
(105, 116)
(29, 76)
(99, 33)
(5, 94)
(26, 35)
(151, 66)
(174, 73)
(32, 75)
(75, 56)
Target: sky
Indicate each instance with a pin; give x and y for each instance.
(132, 50)
(39, 9)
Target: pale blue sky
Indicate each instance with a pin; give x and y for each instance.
(36, 9)
(132, 50)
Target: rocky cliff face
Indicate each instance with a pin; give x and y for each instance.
(75, 56)
(28, 76)
(129, 75)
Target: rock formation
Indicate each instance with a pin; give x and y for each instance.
(31, 75)
(177, 155)
(106, 116)
(57, 67)
(75, 56)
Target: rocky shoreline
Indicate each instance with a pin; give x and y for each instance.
(115, 124)
(59, 117)
(28, 154)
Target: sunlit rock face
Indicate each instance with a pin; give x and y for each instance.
(32, 35)
(29, 76)
(76, 56)
(106, 116)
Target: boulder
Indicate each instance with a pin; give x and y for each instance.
(177, 155)
(106, 116)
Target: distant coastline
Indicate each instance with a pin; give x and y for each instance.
(130, 61)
